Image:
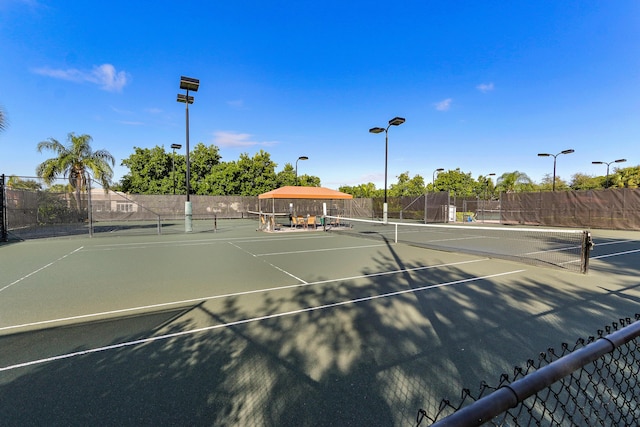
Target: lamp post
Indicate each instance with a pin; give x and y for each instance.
(396, 121)
(433, 178)
(486, 186)
(174, 147)
(606, 183)
(188, 84)
(554, 163)
(433, 184)
(299, 158)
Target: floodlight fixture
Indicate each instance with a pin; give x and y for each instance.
(176, 146)
(396, 121)
(299, 158)
(184, 98)
(376, 130)
(189, 83)
(606, 182)
(555, 156)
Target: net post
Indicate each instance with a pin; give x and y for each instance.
(587, 245)
(89, 207)
(396, 237)
(159, 226)
(3, 211)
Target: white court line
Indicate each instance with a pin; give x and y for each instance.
(249, 320)
(633, 251)
(229, 295)
(270, 264)
(40, 269)
(200, 242)
(615, 242)
(320, 250)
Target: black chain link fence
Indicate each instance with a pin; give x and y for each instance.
(593, 382)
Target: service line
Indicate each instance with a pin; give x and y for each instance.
(249, 320)
(40, 269)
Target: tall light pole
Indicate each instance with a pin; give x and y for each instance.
(486, 184)
(299, 158)
(606, 183)
(554, 163)
(174, 147)
(433, 178)
(396, 121)
(188, 84)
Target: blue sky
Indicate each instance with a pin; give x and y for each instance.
(484, 85)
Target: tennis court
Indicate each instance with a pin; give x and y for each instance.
(242, 327)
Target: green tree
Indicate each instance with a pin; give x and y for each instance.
(580, 181)
(407, 186)
(459, 183)
(256, 174)
(203, 161)
(308, 181)
(625, 177)
(224, 179)
(16, 183)
(367, 190)
(547, 183)
(514, 182)
(485, 188)
(287, 176)
(76, 161)
(151, 172)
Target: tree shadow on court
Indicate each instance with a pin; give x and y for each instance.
(369, 352)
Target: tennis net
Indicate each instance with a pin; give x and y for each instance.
(567, 249)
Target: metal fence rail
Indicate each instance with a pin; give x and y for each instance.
(596, 384)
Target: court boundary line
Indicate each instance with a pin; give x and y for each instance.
(248, 320)
(144, 245)
(142, 309)
(40, 269)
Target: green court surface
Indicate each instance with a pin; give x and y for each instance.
(246, 328)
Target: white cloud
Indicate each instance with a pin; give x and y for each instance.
(444, 105)
(485, 87)
(233, 139)
(104, 75)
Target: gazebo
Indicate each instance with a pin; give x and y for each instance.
(295, 200)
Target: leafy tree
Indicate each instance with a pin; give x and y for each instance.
(485, 188)
(203, 160)
(459, 183)
(580, 181)
(75, 161)
(516, 181)
(407, 186)
(23, 184)
(257, 174)
(626, 177)
(367, 190)
(150, 172)
(223, 179)
(547, 183)
(286, 176)
(308, 181)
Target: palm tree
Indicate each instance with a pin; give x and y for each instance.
(75, 161)
(515, 181)
(3, 120)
